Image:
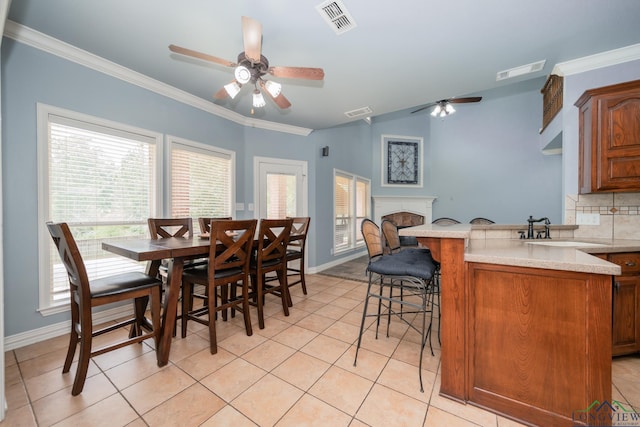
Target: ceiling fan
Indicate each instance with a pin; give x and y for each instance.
(251, 68)
(444, 108)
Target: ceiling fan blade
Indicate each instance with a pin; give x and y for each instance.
(200, 55)
(425, 107)
(297, 72)
(280, 100)
(464, 100)
(221, 94)
(252, 36)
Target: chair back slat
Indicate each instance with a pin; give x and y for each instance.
(72, 260)
(170, 227)
(205, 222)
(372, 238)
(299, 230)
(231, 244)
(273, 238)
(391, 236)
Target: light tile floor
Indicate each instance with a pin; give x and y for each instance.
(298, 371)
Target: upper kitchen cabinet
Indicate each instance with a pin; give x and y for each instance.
(609, 139)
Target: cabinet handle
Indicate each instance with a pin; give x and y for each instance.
(630, 263)
(617, 286)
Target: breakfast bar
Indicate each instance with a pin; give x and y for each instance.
(526, 324)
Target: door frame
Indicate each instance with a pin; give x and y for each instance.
(303, 164)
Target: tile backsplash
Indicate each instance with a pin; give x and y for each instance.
(618, 213)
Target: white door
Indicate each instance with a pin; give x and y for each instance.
(280, 187)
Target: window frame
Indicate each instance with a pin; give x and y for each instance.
(44, 112)
(356, 240)
(172, 143)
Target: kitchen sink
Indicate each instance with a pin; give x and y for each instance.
(566, 243)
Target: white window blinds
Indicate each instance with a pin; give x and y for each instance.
(201, 181)
(101, 181)
(351, 206)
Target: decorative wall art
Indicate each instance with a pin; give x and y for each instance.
(401, 161)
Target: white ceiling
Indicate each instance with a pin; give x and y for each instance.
(402, 54)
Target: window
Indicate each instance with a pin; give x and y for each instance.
(351, 206)
(201, 180)
(100, 178)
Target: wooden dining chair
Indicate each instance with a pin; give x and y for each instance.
(296, 251)
(205, 223)
(231, 243)
(174, 227)
(270, 256)
(86, 294)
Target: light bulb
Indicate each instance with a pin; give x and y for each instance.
(274, 88)
(232, 89)
(449, 109)
(436, 110)
(258, 99)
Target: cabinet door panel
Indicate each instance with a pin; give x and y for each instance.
(626, 330)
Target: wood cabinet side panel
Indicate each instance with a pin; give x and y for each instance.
(532, 341)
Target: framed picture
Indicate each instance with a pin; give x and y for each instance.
(401, 161)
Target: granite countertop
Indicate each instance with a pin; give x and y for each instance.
(535, 253)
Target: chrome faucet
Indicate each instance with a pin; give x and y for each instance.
(531, 221)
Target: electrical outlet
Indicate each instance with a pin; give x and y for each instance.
(587, 218)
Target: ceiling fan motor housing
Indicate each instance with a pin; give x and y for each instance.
(257, 69)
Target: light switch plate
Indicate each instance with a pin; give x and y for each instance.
(587, 218)
(239, 206)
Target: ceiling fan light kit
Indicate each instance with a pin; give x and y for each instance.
(252, 66)
(258, 99)
(233, 89)
(274, 88)
(444, 108)
(242, 74)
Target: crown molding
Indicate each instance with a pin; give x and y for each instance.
(37, 40)
(598, 60)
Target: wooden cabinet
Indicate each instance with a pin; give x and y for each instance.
(536, 341)
(626, 304)
(609, 138)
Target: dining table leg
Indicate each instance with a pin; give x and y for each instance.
(170, 311)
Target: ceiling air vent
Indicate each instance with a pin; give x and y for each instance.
(518, 71)
(364, 111)
(336, 15)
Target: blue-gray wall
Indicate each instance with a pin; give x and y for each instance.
(482, 161)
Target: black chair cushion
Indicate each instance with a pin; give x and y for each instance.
(413, 264)
(265, 264)
(120, 283)
(201, 271)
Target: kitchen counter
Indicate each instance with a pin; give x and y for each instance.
(525, 326)
(530, 252)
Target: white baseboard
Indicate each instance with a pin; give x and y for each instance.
(36, 335)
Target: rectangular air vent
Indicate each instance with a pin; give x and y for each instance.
(518, 71)
(336, 15)
(364, 111)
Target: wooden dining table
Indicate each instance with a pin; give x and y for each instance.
(175, 250)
